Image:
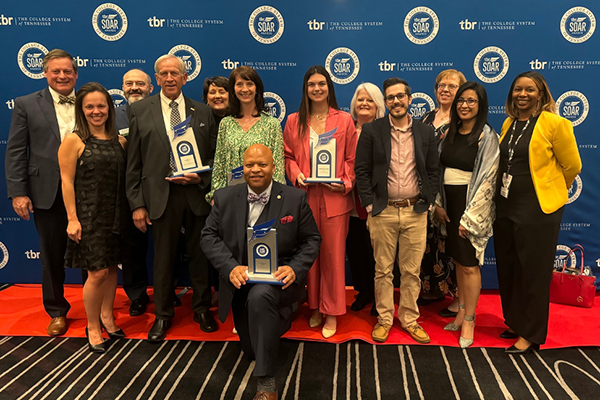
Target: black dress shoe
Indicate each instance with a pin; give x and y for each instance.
(360, 303)
(447, 313)
(508, 335)
(159, 329)
(176, 301)
(374, 312)
(113, 335)
(513, 350)
(95, 348)
(206, 321)
(137, 307)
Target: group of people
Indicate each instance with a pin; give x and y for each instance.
(423, 195)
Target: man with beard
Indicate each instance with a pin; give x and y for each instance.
(397, 179)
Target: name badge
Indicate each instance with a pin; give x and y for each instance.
(506, 181)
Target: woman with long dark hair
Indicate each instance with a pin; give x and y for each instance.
(331, 203)
(539, 160)
(469, 160)
(92, 169)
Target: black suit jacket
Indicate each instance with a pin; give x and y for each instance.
(373, 155)
(122, 118)
(224, 239)
(32, 150)
(149, 153)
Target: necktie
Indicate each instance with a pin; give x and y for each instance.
(263, 198)
(175, 119)
(66, 99)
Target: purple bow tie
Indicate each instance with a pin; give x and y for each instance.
(263, 198)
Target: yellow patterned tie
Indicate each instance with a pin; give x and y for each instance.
(66, 99)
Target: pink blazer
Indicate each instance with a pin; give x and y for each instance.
(297, 157)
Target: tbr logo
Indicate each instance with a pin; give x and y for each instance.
(343, 65)
(573, 106)
(266, 24)
(118, 97)
(275, 105)
(190, 58)
(228, 64)
(30, 58)
(561, 257)
(578, 24)
(109, 22)
(421, 25)
(4, 259)
(491, 64)
(575, 190)
(6, 20)
(420, 105)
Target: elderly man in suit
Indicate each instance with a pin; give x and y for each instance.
(40, 121)
(397, 178)
(165, 202)
(261, 312)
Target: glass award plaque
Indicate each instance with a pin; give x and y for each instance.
(262, 254)
(185, 150)
(323, 159)
(236, 176)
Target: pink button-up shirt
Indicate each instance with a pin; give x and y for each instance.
(403, 182)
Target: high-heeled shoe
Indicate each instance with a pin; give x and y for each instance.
(113, 335)
(95, 348)
(516, 351)
(452, 326)
(462, 342)
(315, 320)
(330, 327)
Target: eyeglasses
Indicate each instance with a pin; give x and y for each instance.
(470, 102)
(448, 86)
(391, 97)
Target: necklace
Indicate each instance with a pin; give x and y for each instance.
(319, 117)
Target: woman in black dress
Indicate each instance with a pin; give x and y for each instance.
(92, 167)
(216, 96)
(438, 274)
(539, 160)
(469, 159)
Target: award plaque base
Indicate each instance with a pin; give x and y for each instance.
(198, 171)
(323, 180)
(263, 278)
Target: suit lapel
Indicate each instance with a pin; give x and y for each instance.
(159, 121)
(241, 219)
(275, 202)
(47, 105)
(386, 137)
(189, 110)
(418, 143)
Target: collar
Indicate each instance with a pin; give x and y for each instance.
(267, 191)
(166, 101)
(403, 130)
(55, 94)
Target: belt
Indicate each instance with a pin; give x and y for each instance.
(404, 202)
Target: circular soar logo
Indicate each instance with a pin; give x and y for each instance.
(420, 105)
(190, 58)
(421, 25)
(30, 58)
(275, 105)
(266, 24)
(578, 24)
(262, 250)
(109, 22)
(561, 257)
(575, 190)
(184, 148)
(4, 255)
(491, 64)
(343, 65)
(118, 97)
(573, 106)
(324, 157)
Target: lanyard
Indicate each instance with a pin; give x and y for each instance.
(511, 147)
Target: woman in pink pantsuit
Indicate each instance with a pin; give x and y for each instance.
(331, 203)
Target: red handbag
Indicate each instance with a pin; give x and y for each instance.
(574, 289)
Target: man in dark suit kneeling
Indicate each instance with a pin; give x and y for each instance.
(261, 312)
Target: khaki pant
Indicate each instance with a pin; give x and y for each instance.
(406, 231)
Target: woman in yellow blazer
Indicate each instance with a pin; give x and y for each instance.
(538, 162)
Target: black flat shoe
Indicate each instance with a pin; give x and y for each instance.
(447, 313)
(206, 321)
(513, 350)
(137, 307)
(508, 335)
(95, 348)
(113, 335)
(159, 329)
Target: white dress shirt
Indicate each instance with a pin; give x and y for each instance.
(65, 114)
(256, 208)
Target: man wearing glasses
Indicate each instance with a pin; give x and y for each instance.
(397, 180)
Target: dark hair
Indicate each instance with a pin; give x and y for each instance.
(81, 125)
(546, 102)
(304, 110)
(482, 113)
(58, 53)
(219, 81)
(394, 81)
(247, 73)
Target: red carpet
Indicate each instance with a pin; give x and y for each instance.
(22, 314)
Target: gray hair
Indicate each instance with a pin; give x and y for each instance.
(170, 56)
(375, 94)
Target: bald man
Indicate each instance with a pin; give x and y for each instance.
(261, 312)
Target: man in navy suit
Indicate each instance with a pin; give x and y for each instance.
(40, 121)
(261, 312)
(397, 179)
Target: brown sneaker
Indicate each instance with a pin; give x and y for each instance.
(381, 332)
(58, 326)
(417, 333)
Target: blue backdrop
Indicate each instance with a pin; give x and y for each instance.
(357, 41)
